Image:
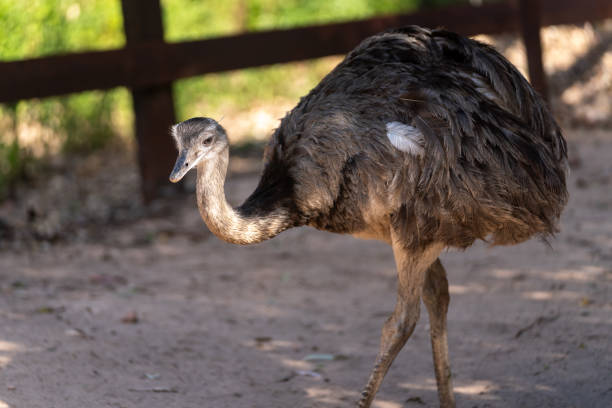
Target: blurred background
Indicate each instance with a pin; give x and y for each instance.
(109, 299)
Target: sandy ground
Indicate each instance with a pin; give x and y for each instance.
(159, 313)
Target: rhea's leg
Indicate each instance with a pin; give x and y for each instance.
(412, 269)
(436, 299)
(396, 331)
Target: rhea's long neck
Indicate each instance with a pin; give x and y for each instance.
(234, 225)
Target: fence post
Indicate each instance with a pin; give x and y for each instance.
(530, 23)
(153, 106)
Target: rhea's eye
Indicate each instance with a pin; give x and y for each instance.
(207, 141)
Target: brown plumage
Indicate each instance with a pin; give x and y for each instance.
(420, 138)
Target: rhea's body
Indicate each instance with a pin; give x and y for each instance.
(491, 163)
(420, 138)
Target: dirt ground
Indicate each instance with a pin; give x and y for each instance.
(159, 313)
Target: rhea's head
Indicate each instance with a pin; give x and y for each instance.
(196, 139)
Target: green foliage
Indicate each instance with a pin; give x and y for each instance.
(289, 13)
(81, 122)
(197, 19)
(36, 28)
(194, 19)
(85, 121)
(12, 160)
(12, 165)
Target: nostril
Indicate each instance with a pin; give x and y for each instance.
(186, 164)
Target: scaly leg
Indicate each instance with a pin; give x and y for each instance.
(412, 268)
(436, 299)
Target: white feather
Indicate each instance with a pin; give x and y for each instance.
(405, 138)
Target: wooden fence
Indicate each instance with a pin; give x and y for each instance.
(148, 65)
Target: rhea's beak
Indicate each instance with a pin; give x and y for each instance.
(181, 167)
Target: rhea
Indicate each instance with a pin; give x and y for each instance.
(420, 138)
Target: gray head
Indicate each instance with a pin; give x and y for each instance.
(196, 139)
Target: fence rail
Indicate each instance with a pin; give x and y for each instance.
(148, 65)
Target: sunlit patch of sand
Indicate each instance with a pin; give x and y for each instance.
(297, 364)
(386, 404)
(463, 289)
(476, 388)
(7, 346)
(325, 395)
